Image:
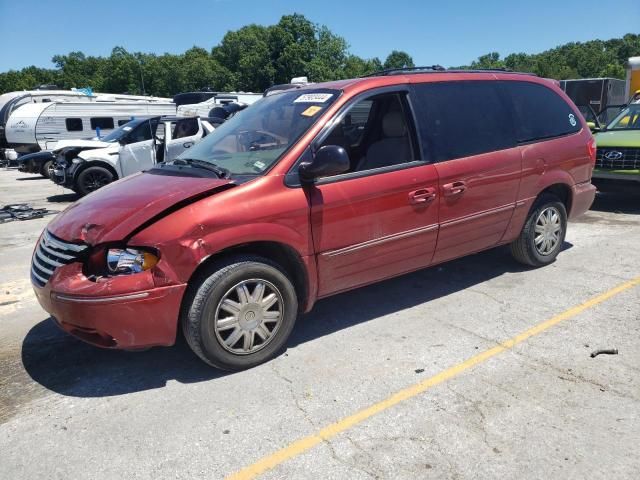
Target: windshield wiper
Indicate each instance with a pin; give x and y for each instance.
(194, 162)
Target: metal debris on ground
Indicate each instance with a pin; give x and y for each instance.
(606, 351)
(22, 211)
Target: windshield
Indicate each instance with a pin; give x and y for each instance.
(119, 133)
(628, 119)
(254, 139)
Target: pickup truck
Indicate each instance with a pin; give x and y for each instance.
(86, 165)
(617, 165)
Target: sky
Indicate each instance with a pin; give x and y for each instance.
(449, 33)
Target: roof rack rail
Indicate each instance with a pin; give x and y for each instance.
(397, 71)
(441, 69)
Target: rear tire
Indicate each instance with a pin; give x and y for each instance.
(91, 179)
(543, 233)
(239, 312)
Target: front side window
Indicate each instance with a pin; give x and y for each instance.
(461, 119)
(73, 124)
(256, 138)
(540, 112)
(105, 123)
(143, 132)
(376, 132)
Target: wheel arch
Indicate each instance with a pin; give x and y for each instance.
(91, 162)
(282, 254)
(562, 191)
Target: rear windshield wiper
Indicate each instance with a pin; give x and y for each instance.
(194, 162)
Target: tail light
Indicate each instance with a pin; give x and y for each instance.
(591, 150)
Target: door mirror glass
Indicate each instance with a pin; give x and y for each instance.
(328, 160)
(592, 126)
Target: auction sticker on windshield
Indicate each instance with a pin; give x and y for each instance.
(313, 98)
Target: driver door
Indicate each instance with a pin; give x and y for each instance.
(138, 153)
(379, 219)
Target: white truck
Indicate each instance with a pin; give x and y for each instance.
(86, 165)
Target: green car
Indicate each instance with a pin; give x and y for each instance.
(618, 151)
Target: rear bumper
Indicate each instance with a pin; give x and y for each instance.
(582, 198)
(106, 315)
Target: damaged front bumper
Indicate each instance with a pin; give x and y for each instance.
(124, 312)
(64, 174)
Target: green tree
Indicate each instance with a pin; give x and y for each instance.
(398, 59)
(245, 53)
(254, 57)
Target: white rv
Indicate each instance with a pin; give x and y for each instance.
(218, 99)
(11, 101)
(39, 126)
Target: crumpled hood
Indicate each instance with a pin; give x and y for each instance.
(113, 212)
(60, 144)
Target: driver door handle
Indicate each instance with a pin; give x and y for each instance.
(422, 196)
(454, 188)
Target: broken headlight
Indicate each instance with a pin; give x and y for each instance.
(124, 261)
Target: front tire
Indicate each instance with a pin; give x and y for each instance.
(46, 168)
(543, 233)
(91, 179)
(239, 313)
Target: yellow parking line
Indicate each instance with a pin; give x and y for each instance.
(302, 445)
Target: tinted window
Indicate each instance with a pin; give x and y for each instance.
(539, 112)
(185, 128)
(460, 119)
(73, 124)
(105, 123)
(376, 132)
(142, 132)
(123, 122)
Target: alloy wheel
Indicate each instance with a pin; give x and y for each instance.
(548, 230)
(248, 316)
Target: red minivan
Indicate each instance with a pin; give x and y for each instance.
(310, 192)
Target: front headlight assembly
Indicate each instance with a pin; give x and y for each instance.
(124, 261)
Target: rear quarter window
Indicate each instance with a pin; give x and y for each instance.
(539, 112)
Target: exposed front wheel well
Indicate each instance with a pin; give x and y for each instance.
(283, 255)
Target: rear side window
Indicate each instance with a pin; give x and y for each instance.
(105, 123)
(460, 119)
(73, 124)
(185, 128)
(540, 112)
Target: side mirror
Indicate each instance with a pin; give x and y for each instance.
(592, 126)
(329, 160)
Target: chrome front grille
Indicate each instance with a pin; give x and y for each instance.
(622, 158)
(50, 254)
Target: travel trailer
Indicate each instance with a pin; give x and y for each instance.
(633, 78)
(11, 101)
(39, 126)
(602, 96)
(203, 108)
(86, 165)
